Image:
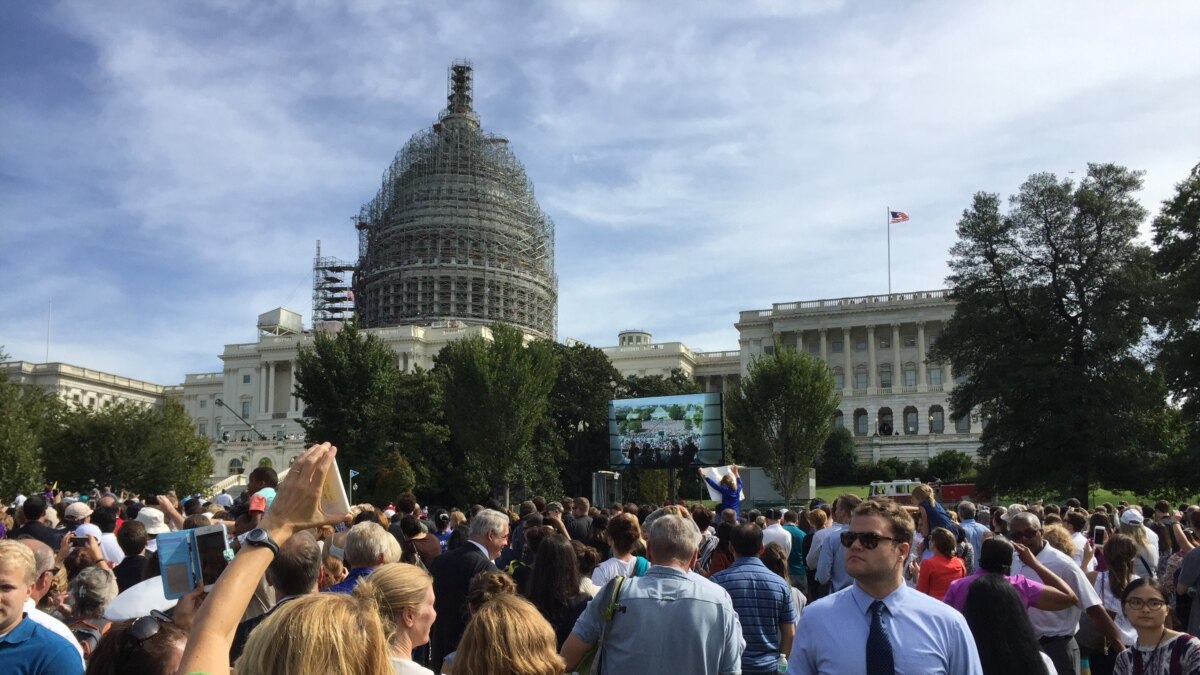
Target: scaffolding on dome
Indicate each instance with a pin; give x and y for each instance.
(333, 297)
(455, 232)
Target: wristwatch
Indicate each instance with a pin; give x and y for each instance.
(259, 537)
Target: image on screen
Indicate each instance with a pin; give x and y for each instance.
(211, 547)
(666, 431)
(176, 578)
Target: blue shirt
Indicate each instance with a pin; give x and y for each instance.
(30, 649)
(928, 636)
(831, 566)
(347, 585)
(974, 532)
(671, 623)
(730, 499)
(796, 565)
(763, 601)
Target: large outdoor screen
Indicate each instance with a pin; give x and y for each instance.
(666, 431)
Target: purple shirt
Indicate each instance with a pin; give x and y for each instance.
(1027, 589)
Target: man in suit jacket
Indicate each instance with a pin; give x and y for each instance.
(452, 573)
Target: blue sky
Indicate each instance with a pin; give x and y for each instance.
(166, 168)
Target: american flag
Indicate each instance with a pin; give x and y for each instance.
(898, 216)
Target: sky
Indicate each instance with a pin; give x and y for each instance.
(166, 169)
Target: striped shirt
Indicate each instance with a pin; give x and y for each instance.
(763, 601)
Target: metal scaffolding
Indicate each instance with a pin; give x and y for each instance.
(455, 232)
(333, 299)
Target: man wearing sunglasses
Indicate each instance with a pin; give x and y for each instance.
(1056, 630)
(879, 625)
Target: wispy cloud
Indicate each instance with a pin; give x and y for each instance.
(167, 168)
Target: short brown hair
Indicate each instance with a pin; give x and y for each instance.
(895, 515)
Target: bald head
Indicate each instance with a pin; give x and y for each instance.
(43, 558)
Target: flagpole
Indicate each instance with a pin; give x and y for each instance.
(889, 248)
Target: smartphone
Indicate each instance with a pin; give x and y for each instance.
(1098, 534)
(78, 542)
(176, 563)
(212, 543)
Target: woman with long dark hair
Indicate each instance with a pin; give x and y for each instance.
(553, 587)
(1158, 649)
(722, 555)
(1003, 634)
(1120, 552)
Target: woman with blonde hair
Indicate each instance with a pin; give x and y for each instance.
(319, 633)
(1133, 526)
(1058, 537)
(404, 595)
(508, 636)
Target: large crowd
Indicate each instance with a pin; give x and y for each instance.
(554, 587)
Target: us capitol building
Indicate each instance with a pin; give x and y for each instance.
(455, 241)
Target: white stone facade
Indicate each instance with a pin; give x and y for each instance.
(84, 386)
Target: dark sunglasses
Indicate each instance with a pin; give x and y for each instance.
(869, 540)
(141, 630)
(1023, 534)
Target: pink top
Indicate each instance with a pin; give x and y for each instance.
(1027, 589)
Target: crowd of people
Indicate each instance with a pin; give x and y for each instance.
(555, 587)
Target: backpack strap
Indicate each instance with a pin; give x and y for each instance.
(1177, 651)
(640, 565)
(608, 613)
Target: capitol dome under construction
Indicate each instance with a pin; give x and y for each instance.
(455, 233)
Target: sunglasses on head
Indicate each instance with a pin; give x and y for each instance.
(869, 540)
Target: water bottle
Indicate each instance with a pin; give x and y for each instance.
(781, 666)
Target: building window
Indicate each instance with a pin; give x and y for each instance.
(265, 461)
(246, 378)
(937, 420)
(769, 349)
(235, 466)
(245, 408)
(935, 376)
(962, 425)
(860, 345)
(203, 403)
(885, 375)
(885, 422)
(814, 348)
(860, 378)
(202, 429)
(910, 340)
(839, 378)
(885, 343)
(910, 375)
(836, 346)
(910, 420)
(860, 422)
(839, 420)
(933, 340)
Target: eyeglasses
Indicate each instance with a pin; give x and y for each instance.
(141, 630)
(1023, 534)
(869, 540)
(1137, 603)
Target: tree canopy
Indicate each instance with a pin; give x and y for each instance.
(23, 418)
(781, 412)
(1046, 332)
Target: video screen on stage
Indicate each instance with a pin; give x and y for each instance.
(666, 431)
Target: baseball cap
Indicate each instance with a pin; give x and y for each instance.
(78, 511)
(1132, 517)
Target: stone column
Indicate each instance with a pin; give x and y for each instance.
(825, 345)
(947, 377)
(872, 367)
(262, 387)
(270, 388)
(848, 374)
(897, 367)
(800, 341)
(922, 385)
(295, 407)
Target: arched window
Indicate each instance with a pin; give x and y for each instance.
(937, 420)
(910, 374)
(265, 461)
(860, 377)
(839, 378)
(910, 420)
(885, 375)
(235, 466)
(884, 424)
(962, 425)
(839, 420)
(860, 422)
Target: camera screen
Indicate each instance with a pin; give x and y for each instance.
(211, 547)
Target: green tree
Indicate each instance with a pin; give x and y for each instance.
(644, 386)
(1048, 317)
(130, 447)
(393, 476)
(1176, 316)
(837, 464)
(781, 412)
(420, 434)
(20, 443)
(585, 384)
(497, 392)
(349, 383)
(952, 466)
